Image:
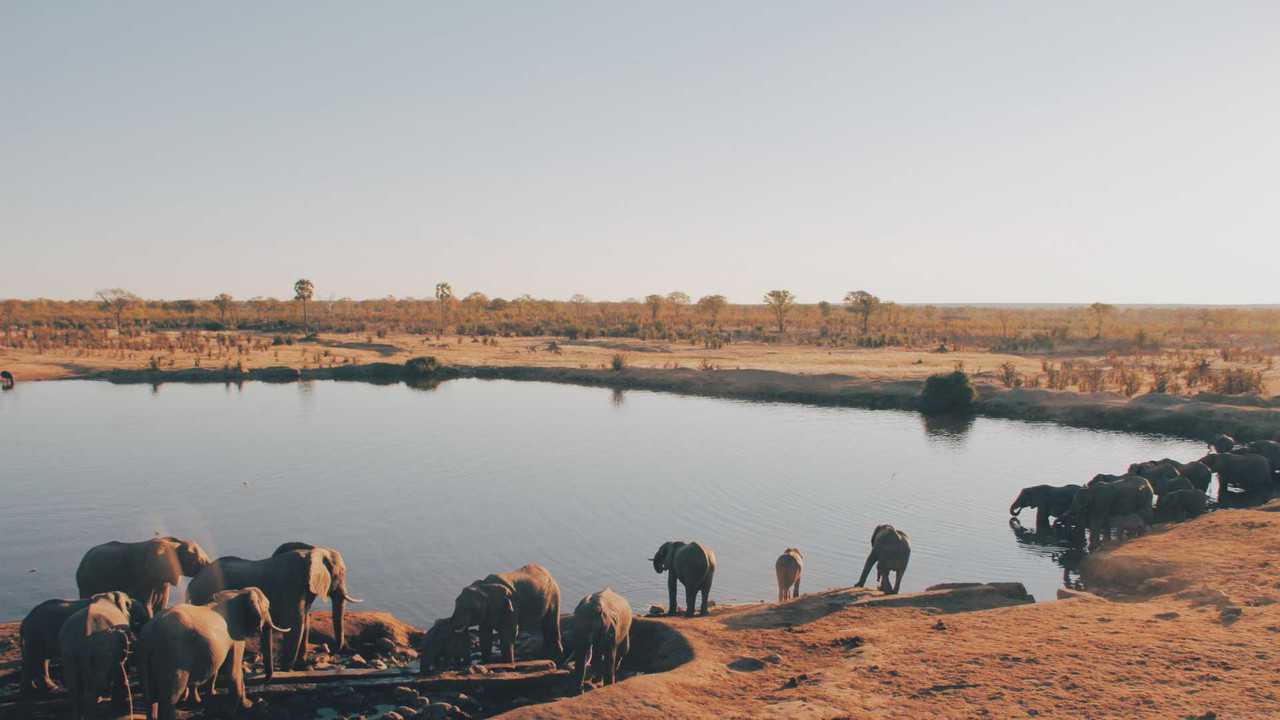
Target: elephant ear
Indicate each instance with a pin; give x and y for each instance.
(161, 562)
(244, 618)
(879, 529)
(337, 571)
(319, 578)
(498, 599)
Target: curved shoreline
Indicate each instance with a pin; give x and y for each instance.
(1188, 417)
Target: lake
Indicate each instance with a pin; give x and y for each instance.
(424, 491)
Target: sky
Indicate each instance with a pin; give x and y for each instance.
(926, 152)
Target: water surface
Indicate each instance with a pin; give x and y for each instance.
(426, 490)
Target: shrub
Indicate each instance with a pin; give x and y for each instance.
(421, 366)
(1008, 373)
(619, 362)
(948, 392)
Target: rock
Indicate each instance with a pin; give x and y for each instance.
(379, 665)
(656, 610)
(357, 661)
(746, 664)
(1167, 616)
(939, 625)
(1068, 594)
(441, 711)
(393, 715)
(404, 694)
(407, 712)
(1231, 613)
(385, 645)
(772, 659)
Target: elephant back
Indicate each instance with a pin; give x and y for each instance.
(534, 591)
(225, 573)
(694, 562)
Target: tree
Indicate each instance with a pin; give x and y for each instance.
(304, 290)
(116, 301)
(1100, 312)
(862, 303)
(655, 304)
(444, 295)
(712, 305)
(579, 303)
(677, 300)
(781, 302)
(223, 303)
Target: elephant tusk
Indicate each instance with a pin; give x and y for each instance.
(351, 598)
(280, 629)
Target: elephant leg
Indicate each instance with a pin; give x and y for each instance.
(581, 657)
(507, 638)
(706, 595)
(551, 636)
(611, 665)
(1042, 519)
(671, 591)
(169, 696)
(292, 650)
(886, 587)
(238, 695)
(866, 569)
(897, 580)
(795, 591)
(691, 597)
(782, 590)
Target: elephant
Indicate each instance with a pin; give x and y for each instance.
(1268, 449)
(1108, 496)
(38, 634)
(1222, 443)
(1131, 525)
(890, 552)
(788, 568)
(1048, 500)
(1251, 473)
(691, 563)
(1199, 474)
(503, 602)
(1180, 505)
(94, 643)
(443, 646)
(146, 570)
(601, 629)
(185, 646)
(6, 380)
(292, 578)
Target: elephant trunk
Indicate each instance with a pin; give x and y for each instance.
(268, 657)
(1015, 508)
(339, 602)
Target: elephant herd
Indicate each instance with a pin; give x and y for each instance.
(178, 651)
(1165, 490)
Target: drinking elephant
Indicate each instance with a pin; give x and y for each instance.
(185, 646)
(890, 552)
(788, 567)
(145, 570)
(1109, 496)
(1251, 473)
(502, 602)
(1180, 505)
(292, 578)
(93, 643)
(1048, 500)
(601, 636)
(1222, 443)
(1198, 474)
(693, 565)
(39, 630)
(1268, 449)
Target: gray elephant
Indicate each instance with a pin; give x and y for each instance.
(1180, 505)
(1110, 496)
(94, 643)
(292, 578)
(787, 568)
(146, 570)
(444, 646)
(1268, 449)
(38, 634)
(1199, 474)
(1048, 500)
(1251, 473)
(1222, 443)
(503, 602)
(693, 565)
(185, 647)
(601, 630)
(890, 552)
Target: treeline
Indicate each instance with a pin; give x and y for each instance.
(860, 319)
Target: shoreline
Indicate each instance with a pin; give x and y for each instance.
(1197, 418)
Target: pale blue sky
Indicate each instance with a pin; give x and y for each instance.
(1023, 151)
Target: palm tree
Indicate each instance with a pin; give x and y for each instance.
(444, 294)
(863, 303)
(223, 303)
(303, 290)
(780, 301)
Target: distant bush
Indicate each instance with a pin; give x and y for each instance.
(618, 362)
(948, 392)
(420, 366)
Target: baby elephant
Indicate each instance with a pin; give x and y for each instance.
(39, 635)
(186, 645)
(690, 563)
(788, 568)
(444, 646)
(94, 642)
(890, 551)
(601, 630)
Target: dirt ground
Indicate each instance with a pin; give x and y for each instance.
(1181, 623)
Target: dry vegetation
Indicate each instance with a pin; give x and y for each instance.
(1128, 350)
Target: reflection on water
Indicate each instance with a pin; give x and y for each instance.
(426, 491)
(1060, 544)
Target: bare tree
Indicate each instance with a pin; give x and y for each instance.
(655, 305)
(781, 302)
(116, 301)
(223, 303)
(862, 303)
(304, 290)
(1100, 312)
(712, 305)
(677, 300)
